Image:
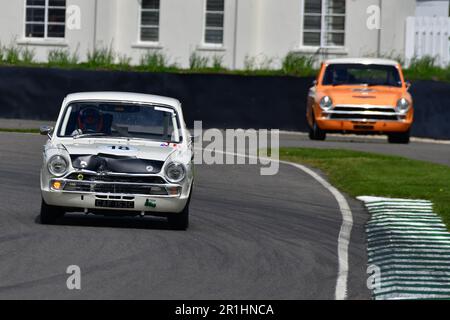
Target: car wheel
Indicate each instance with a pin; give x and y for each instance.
(49, 214)
(315, 133)
(180, 221)
(399, 137)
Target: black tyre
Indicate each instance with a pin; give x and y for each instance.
(49, 214)
(315, 133)
(402, 137)
(180, 221)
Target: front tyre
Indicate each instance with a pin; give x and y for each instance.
(402, 138)
(49, 214)
(180, 221)
(315, 133)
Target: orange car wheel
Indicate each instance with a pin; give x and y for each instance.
(401, 137)
(315, 133)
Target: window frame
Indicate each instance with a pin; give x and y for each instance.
(46, 23)
(140, 26)
(205, 12)
(323, 31)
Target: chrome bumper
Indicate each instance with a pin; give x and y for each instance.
(121, 188)
(141, 203)
(364, 113)
(135, 196)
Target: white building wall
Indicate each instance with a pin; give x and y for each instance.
(393, 24)
(279, 29)
(266, 29)
(247, 38)
(432, 8)
(12, 28)
(359, 39)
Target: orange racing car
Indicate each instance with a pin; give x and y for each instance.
(360, 96)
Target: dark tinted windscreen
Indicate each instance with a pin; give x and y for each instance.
(355, 74)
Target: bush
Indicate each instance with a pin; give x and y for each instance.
(61, 57)
(426, 68)
(2, 53)
(153, 60)
(124, 61)
(249, 63)
(217, 63)
(198, 62)
(102, 57)
(295, 64)
(12, 54)
(27, 55)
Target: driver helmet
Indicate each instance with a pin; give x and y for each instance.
(90, 119)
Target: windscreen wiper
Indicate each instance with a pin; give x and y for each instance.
(84, 135)
(348, 84)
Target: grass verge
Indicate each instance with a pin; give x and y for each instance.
(19, 130)
(362, 173)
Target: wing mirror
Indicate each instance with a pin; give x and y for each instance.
(194, 139)
(314, 83)
(408, 84)
(46, 131)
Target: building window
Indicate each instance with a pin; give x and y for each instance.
(150, 20)
(214, 21)
(45, 18)
(324, 23)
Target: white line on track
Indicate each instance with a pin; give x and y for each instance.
(344, 233)
(346, 226)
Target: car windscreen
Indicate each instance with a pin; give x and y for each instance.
(115, 119)
(361, 74)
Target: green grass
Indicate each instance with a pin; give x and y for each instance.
(61, 57)
(426, 69)
(361, 173)
(298, 65)
(101, 57)
(24, 130)
(105, 58)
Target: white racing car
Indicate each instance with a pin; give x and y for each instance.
(114, 153)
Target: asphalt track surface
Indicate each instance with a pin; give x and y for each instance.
(251, 237)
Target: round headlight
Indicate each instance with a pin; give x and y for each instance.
(402, 105)
(57, 166)
(326, 103)
(175, 172)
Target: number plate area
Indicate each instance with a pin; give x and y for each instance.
(117, 204)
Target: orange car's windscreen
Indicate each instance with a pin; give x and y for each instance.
(360, 74)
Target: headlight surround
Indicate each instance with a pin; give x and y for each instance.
(402, 105)
(175, 172)
(326, 103)
(57, 165)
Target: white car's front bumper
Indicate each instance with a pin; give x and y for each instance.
(141, 203)
(142, 198)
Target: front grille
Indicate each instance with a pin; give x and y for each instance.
(109, 178)
(114, 188)
(363, 117)
(363, 113)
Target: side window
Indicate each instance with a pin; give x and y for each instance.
(324, 23)
(214, 22)
(45, 18)
(149, 18)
